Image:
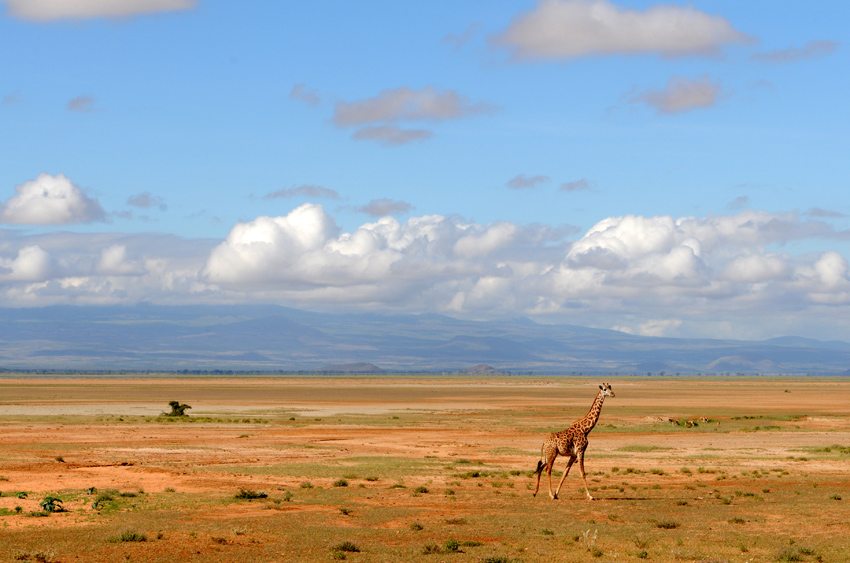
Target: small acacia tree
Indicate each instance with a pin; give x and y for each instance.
(177, 409)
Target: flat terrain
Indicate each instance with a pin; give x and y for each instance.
(414, 469)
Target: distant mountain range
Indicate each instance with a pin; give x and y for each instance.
(277, 339)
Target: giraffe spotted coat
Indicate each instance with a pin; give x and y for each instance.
(571, 443)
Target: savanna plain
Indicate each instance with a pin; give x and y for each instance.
(422, 469)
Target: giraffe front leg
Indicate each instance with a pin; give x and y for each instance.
(566, 472)
(583, 476)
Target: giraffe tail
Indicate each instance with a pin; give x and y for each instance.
(541, 465)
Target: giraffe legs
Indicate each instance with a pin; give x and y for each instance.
(549, 452)
(566, 472)
(583, 476)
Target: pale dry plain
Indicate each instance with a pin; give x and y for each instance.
(433, 469)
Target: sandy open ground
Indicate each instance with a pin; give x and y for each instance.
(765, 476)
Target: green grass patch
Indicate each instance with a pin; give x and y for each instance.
(641, 448)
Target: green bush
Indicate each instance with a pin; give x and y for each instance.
(51, 504)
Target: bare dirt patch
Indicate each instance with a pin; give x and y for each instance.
(770, 469)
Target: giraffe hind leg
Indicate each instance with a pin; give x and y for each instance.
(539, 471)
(540, 468)
(550, 464)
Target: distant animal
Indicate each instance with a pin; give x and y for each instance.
(703, 419)
(690, 423)
(571, 442)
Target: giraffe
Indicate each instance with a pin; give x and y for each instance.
(571, 442)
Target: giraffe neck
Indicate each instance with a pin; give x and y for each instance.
(589, 420)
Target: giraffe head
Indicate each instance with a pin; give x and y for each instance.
(606, 390)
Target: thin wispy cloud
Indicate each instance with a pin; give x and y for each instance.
(389, 135)
(457, 41)
(385, 206)
(306, 190)
(378, 118)
(559, 29)
(576, 186)
(681, 95)
(825, 213)
(738, 203)
(146, 200)
(81, 104)
(46, 10)
(521, 181)
(406, 104)
(304, 94)
(11, 99)
(812, 49)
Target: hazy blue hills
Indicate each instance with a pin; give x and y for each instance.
(271, 338)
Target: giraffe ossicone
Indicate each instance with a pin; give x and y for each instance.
(571, 442)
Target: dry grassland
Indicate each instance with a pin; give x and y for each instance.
(432, 470)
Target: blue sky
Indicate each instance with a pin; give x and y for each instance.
(661, 168)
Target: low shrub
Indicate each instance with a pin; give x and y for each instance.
(346, 546)
(248, 494)
(451, 545)
(128, 536)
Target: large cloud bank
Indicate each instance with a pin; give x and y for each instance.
(715, 275)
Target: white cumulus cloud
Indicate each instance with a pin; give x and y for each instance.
(757, 268)
(558, 29)
(31, 264)
(50, 200)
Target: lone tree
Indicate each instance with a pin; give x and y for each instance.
(177, 409)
